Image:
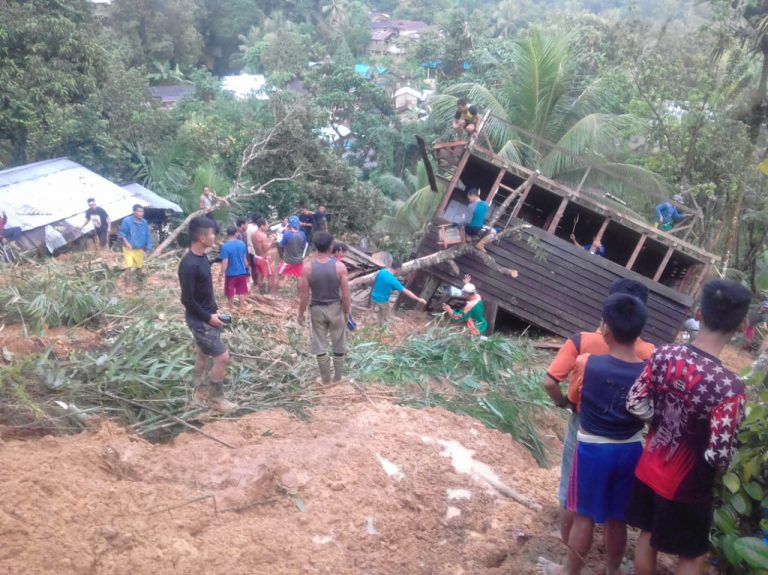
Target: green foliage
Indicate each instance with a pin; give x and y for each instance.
(741, 514)
(491, 379)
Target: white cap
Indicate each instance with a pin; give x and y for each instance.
(469, 288)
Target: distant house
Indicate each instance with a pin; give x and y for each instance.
(245, 86)
(406, 98)
(48, 199)
(393, 37)
(102, 8)
(169, 96)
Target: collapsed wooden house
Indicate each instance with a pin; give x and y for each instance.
(560, 286)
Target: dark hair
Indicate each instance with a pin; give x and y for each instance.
(231, 231)
(240, 222)
(199, 225)
(473, 192)
(724, 305)
(625, 315)
(461, 102)
(260, 222)
(339, 247)
(90, 200)
(323, 242)
(630, 287)
(255, 217)
(396, 264)
(136, 207)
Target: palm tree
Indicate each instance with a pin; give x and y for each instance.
(411, 215)
(541, 100)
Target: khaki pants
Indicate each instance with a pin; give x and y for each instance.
(383, 312)
(327, 320)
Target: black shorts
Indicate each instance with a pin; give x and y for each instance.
(207, 337)
(676, 528)
(473, 231)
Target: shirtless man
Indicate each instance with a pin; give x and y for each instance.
(261, 246)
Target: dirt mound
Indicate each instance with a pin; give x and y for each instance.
(376, 489)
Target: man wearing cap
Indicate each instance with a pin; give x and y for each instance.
(383, 286)
(473, 312)
(667, 214)
(293, 243)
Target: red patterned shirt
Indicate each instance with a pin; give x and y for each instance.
(695, 407)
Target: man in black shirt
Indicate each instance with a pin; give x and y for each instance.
(320, 222)
(99, 219)
(201, 317)
(307, 220)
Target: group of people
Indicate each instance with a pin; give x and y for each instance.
(692, 406)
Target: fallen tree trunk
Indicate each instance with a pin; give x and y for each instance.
(449, 254)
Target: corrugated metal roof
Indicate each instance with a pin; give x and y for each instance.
(39, 194)
(154, 201)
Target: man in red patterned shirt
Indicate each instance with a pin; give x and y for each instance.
(694, 406)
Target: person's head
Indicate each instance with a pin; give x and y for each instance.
(262, 224)
(323, 242)
(678, 198)
(293, 222)
(396, 266)
(255, 217)
(138, 211)
(630, 287)
(469, 290)
(206, 190)
(624, 318)
(321, 209)
(91, 203)
(724, 305)
(241, 224)
(462, 104)
(305, 210)
(339, 249)
(231, 231)
(202, 231)
(473, 194)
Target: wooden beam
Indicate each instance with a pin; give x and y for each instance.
(558, 216)
(601, 231)
(663, 264)
(491, 311)
(583, 179)
(526, 188)
(636, 253)
(495, 188)
(454, 181)
(702, 276)
(522, 190)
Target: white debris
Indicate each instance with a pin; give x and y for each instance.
(369, 526)
(457, 494)
(322, 539)
(452, 512)
(390, 468)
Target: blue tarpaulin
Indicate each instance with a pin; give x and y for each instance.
(364, 70)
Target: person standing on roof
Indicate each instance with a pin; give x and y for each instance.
(465, 119)
(137, 241)
(667, 214)
(99, 219)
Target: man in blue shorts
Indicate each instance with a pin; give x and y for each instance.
(609, 437)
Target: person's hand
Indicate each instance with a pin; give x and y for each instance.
(215, 321)
(513, 273)
(128, 245)
(573, 237)
(446, 308)
(422, 301)
(467, 278)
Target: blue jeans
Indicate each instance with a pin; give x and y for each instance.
(569, 449)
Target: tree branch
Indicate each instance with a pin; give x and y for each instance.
(449, 254)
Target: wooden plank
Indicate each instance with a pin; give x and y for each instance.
(491, 311)
(583, 179)
(495, 188)
(427, 164)
(558, 216)
(636, 252)
(524, 194)
(454, 181)
(663, 264)
(601, 231)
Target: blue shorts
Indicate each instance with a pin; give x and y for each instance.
(569, 448)
(602, 478)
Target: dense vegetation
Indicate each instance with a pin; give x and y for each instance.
(669, 94)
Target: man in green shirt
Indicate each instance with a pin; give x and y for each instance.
(473, 312)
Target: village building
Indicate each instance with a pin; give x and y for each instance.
(560, 286)
(48, 199)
